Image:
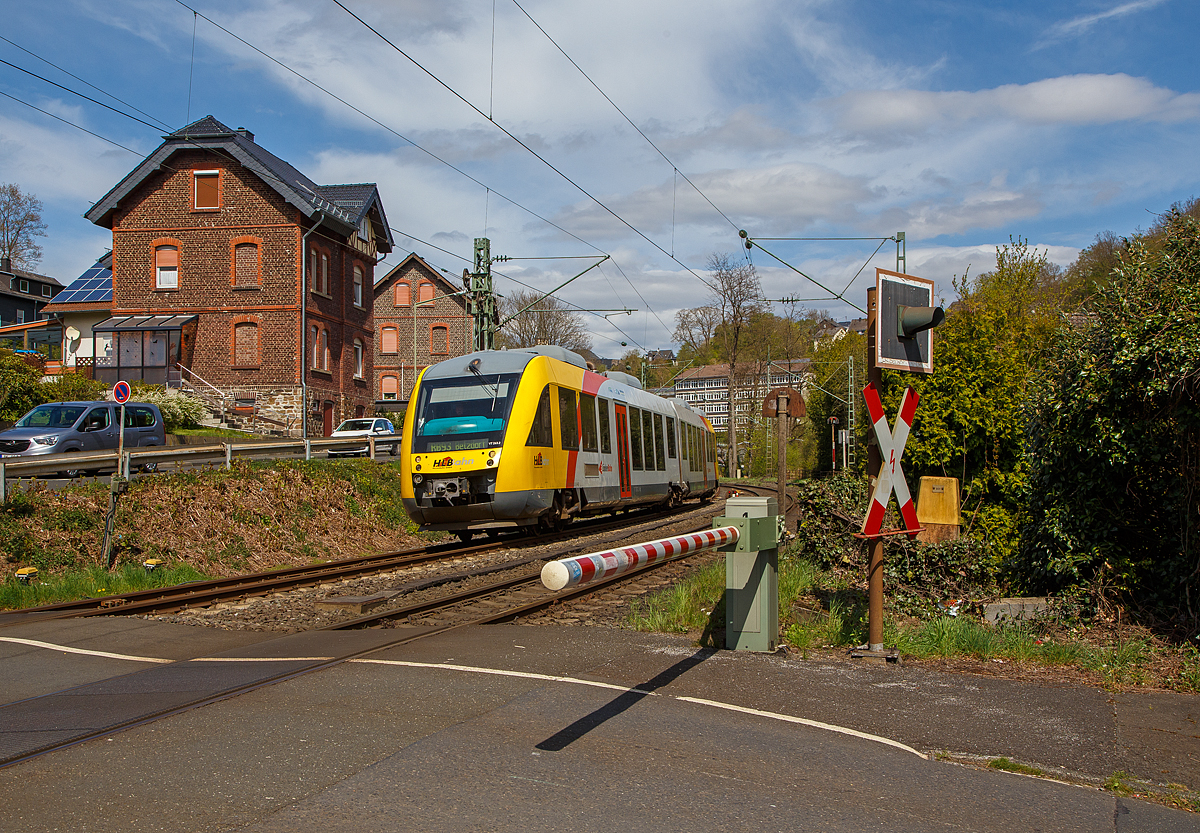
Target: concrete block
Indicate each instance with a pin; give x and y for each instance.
(1015, 610)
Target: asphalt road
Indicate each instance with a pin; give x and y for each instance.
(574, 729)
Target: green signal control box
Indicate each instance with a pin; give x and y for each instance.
(752, 574)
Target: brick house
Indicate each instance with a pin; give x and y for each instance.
(420, 319)
(234, 273)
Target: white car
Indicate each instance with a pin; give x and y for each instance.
(361, 429)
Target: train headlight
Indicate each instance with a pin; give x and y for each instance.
(417, 478)
(491, 462)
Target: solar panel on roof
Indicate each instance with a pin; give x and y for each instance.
(92, 286)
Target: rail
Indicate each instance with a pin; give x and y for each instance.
(146, 458)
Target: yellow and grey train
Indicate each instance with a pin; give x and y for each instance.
(503, 439)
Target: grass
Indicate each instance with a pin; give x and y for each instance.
(92, 582)
(817, 610)
(260, 515)
(1013, 766)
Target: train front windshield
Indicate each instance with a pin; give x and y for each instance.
(459, 414)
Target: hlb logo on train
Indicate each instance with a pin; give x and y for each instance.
(538, 461)
(443, 463)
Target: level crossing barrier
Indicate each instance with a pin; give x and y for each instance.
(583, 569)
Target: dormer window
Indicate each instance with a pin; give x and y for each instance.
(24, 285)
(364, 229)
(45, 291)
(206, 192)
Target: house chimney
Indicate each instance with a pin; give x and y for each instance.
(241, 131)
(5, 264)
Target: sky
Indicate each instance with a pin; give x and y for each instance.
(651, 132)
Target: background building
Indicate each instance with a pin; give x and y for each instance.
(238, 276)
(420, 319)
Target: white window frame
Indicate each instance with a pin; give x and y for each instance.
(196, 175)
(358, 359)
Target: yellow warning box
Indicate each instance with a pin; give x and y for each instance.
(937, 508)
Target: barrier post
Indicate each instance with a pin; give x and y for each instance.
(752, 574)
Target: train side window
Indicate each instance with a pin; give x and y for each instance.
(694, 447)
(541, 433)
(587, 417)
(660, 447)
(648, 438)
(605, 433)
(635, 438)
(568, 419)
(671, 437)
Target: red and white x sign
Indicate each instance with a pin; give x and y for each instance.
(891, 475)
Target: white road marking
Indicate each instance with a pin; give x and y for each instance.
(815, 724)
(260, 659)
(498, 672)
(67, 649)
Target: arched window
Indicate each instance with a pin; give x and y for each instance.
(358, 359)
(389, 340)
(245, 344)
(403, 294)
(389, 387)
(245, 265)
(166, 267)
(439, 339)
(316, 348)
(425, 292)
(358, 286)
(324, 274)
(324, 364)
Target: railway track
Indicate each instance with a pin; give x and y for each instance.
(503, 593)
(205, 593)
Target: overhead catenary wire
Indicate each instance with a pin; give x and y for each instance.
(196, 16)
(34, 55)
(434, 156)
(624, 116)
(525, 146)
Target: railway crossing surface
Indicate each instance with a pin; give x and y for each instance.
(508, 727)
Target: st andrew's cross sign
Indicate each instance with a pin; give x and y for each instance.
(891, 475)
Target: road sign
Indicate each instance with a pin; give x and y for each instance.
(795, 403)
(900, 299)
(121, 392)
(891, 475)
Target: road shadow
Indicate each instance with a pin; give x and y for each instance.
(562, 739)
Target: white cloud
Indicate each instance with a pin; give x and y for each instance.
(1078, 25)
(1069, 100)
(768, 199)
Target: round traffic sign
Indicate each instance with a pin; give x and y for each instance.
(121, 392)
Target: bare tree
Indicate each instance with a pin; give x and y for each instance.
(737, 296)
(20, 222)
(695, 328)
(547, 321)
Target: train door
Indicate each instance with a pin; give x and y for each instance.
(623, 451)
(705, 439)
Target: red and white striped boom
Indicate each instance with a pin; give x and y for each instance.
(581, 569)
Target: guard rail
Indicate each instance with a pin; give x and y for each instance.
(147, 458)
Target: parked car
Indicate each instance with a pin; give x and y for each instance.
(67, 427)
(363, 428)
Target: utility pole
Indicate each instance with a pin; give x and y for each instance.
(481, 303)
(874, 462)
